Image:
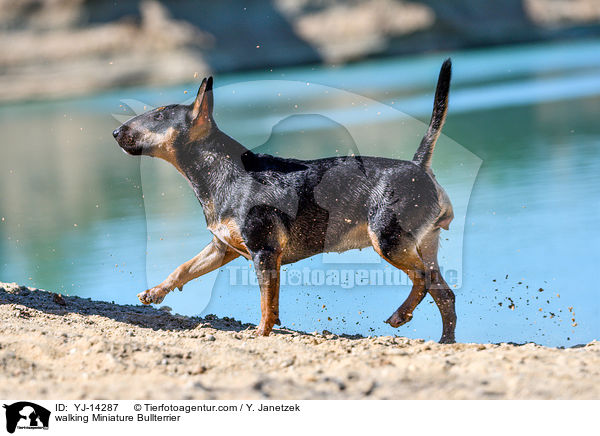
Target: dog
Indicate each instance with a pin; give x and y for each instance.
(274, 211)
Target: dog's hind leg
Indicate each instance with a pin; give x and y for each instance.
(418, 276)
(444, 299)
(213, 256)
(422, 268)
(401, 252)
(440, 291)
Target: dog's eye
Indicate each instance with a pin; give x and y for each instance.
(159, 116)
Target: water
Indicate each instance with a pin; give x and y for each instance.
(520, 160)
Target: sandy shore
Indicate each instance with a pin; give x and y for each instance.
(60, 347)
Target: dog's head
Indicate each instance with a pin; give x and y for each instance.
(160, 132)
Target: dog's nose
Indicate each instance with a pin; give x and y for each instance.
(116, 132)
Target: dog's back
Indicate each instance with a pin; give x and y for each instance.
(328, 204)
(333, 204)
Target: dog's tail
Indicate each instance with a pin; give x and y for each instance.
(440, 107)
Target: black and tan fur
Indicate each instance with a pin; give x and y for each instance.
(276, 211)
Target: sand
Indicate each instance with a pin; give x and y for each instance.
(61, 347)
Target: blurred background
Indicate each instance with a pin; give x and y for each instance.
(520, 156)
(58, 48)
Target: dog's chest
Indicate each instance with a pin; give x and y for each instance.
(228, 232)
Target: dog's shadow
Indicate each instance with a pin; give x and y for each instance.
(140, 316)
(25, 298)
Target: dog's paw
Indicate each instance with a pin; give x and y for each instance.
(153, 295)
(399, 318)
(447, 339)
(264, 329)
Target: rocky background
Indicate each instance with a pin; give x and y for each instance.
(59, 48)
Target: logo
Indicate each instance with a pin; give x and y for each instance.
(26, 415)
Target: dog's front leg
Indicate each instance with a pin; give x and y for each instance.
(214, 255)
(267, 264)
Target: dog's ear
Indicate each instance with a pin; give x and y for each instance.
(202, 107)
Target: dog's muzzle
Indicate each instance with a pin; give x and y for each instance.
(126, 140)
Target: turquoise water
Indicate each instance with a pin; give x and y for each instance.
(520, 160)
